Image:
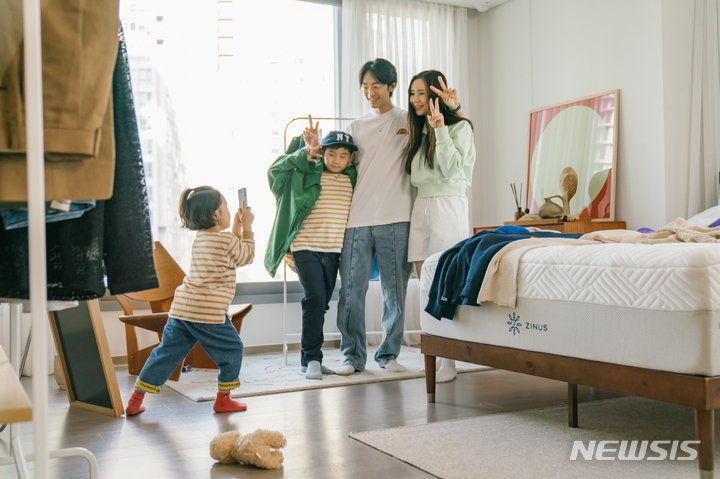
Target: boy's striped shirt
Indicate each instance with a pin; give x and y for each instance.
(209, 287)
(324, 227)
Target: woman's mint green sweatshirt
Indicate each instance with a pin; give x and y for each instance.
(454, 159)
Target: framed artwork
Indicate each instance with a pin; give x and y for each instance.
(581, 135)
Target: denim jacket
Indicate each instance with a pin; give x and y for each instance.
(295, 182)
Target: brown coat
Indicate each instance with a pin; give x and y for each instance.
(79, 49)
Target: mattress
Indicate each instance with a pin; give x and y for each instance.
(649, 306)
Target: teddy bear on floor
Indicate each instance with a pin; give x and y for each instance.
(260, 448)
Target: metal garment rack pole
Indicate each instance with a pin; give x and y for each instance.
(38, 263)
(285, 302)
(36, 228)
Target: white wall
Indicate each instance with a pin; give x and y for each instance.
(26, 327)
(536, 53)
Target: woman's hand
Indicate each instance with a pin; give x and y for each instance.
(435, 119)
(449, 95)
(311, 135)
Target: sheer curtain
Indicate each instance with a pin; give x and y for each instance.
(414, 36)
(704, 161)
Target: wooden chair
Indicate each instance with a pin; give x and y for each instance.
(170, 276)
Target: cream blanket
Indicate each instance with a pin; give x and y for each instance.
(678, 231)
(500, 282)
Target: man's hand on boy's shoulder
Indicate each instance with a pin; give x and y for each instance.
(314, 153)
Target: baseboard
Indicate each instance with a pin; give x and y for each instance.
(266, 349)
(119, 360)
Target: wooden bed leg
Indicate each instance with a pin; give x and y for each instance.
(705, 433)
(430, 377)
(572, 405)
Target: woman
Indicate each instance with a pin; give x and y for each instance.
(439, 157)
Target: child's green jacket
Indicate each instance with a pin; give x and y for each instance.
(295, 182)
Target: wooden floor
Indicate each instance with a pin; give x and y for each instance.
(170, 439)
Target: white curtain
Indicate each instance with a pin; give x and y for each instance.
(413, 35)
(704, 161)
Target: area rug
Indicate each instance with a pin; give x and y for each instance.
(538, 443)
(268, 374)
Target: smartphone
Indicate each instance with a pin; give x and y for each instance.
(242, 196)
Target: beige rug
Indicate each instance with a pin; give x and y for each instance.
(268, 374)
(538, 443)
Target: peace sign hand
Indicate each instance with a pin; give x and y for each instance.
(435, 118)
(448, 95)
(311, 134)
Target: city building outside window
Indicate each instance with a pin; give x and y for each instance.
(215, 85)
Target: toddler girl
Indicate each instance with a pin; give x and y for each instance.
(199, 309)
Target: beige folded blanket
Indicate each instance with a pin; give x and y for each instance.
(500, 282)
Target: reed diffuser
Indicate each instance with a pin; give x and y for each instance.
(519, 213)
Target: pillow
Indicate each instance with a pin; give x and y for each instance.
(710, 217)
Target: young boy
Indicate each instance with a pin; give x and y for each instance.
(313, 201)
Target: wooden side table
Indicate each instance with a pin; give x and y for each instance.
(581, 227)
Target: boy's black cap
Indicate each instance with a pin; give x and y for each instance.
(339, 138)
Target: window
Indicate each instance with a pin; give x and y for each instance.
(142, 98)
(225, 27)
(226, 46)
(142, 75)
(227, 81)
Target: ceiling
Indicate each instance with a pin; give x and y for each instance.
(480, 5)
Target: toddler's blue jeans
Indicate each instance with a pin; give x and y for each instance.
(220, 340)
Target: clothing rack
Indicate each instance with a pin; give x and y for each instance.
(38, 265)
(285, 302)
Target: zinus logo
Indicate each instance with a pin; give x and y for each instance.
(514, 324)
(628, 450)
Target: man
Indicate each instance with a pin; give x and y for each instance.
(378, 224)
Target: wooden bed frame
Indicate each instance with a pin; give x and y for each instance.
(701, 393)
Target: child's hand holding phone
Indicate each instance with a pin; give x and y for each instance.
(244, 216)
